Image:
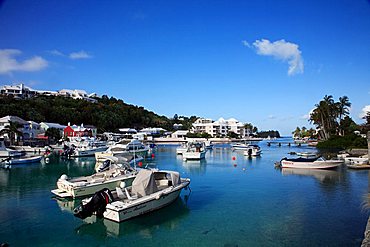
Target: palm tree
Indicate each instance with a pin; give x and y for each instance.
(324, 116)
(343, 110)
(297, 132)
(12, 131)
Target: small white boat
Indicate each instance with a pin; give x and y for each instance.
(253, 150)
(356, 160)
(195, 151)
(87, 151)
(88, 185)
(307, 154)
(182, 149)
(209, 145)
(25, 160)
(240, 146)
(30, 149)
(6, 152)
(127, 157)
(315, 163)
(151, 190)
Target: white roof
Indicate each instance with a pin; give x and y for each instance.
(16, 119)
(53, 125)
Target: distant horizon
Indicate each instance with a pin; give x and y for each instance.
(261, 62)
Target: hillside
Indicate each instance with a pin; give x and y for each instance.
(108, 114)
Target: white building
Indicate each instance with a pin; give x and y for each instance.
(22, 91)
(31, 130)
(179, 134)
(220, 128)
(45, 126)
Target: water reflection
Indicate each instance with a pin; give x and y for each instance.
(323, 176)
(145, 226)
(195, 167)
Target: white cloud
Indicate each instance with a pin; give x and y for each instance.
(307, 116)
(79, 55)
(364, 111)
(245, 43)
(56, 53)
(281, 50)
(271, 117)
(8, 62)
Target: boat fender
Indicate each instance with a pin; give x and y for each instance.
(47, 160)
(63, 177)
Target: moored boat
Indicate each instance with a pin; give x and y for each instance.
(88, 185)
(253, 150)
(151, 190)
(308, 163)
(195, 151)
(25, 160)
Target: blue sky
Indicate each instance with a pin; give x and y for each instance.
(264, 62)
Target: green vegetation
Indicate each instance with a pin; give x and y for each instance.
(343, 142)
(328, 116)
(304, 132)
(336, 127)
(108, 114)
(269, 133)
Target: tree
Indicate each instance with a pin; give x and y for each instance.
(297, 132)
(12, 131)
(232, 134)
(53, 133)
(324, 117)
(343, 110)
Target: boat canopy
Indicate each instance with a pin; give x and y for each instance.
(144, 183)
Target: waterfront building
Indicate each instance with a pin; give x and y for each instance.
(32, 130)
(179, 134)
(79, 131)
(219, 128)
(45, 126)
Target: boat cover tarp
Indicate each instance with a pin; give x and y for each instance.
(144, 183)
(175, 177)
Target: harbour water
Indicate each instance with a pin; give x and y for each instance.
(241, 202)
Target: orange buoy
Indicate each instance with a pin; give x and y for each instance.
(235, 165)
(140, 164)
(234, 158)
(153, 156)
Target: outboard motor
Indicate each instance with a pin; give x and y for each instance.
(104, 166)
(97, 204)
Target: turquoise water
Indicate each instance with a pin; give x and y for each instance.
(241, 202)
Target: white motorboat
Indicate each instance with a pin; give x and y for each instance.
(315, 163)
(127, 157)
(30, 149)
(209, 145)
(87, 151)
(6, 152)
(253, 150)
(240, 146)
(356, 160)
(195, 151)
(182, 149)
(88, 185)
(307, 154)
(151, 190)
(132, 146)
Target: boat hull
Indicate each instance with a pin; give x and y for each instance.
(194, 155)
(82, 189)
(88, 152)
(311, 165)
(120, 211)
(25, 160)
